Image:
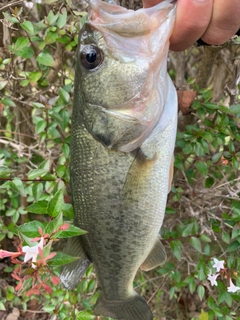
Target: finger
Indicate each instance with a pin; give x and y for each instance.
(225, 22)
(192, 20)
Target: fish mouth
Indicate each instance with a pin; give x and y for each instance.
(127, 23)
(113, 129)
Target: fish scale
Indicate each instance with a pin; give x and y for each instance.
(121, 155)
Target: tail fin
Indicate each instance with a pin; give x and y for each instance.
(134, 308)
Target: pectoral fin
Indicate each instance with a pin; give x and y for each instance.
(156, 257)
(72, 273)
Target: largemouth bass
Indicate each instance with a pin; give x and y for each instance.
(123, 134)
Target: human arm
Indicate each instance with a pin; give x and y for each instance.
(214, 21)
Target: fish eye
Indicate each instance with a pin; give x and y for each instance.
(91, 56)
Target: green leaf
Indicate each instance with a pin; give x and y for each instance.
(3, 84)
(178, 164)
(40, 126)
(18, 186)
(172, 292)
(64, 95)
(45, 164)
(10, 212)
(202, 168)
(192, 286)
(61, 170)
(235, 232)
(26, 53)
(24, 83)
(199, 150)
(169, 210)
(225, 297)
(5, 171)
(235, 109)
(203, 315)
(56, 204)
(209, 182)
(68, 210)
(207, 136)
(46, 59)
(2, 307)
(64, 39)
(235, 163)
(187, 230)
(38, 105)
(231, 146)
(8, 102)
(195, 242)
(49, 1)
(227, 155)
(61, 259)
(28, 241)
(34, 77)
(200, 291)
(84, 315)
(211, 303)
(52, 18)
(54, 224)
(62, 19)
(37, 190)
(207, 250)
(21, 43)
(72, 231)
(201, 114)
(233, 246)
(10, 18)
(35, 173)
(30, 229)
(176, 247)
(65, 149)
(201, 274)
(49, 308)
(51, 37)
(211, 106)
(40, 25)
(47, 249)
(205, 238)
(187, 149)
(28, 26)
(39, 207)
(226, 237)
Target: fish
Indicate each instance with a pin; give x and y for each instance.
(123, 134)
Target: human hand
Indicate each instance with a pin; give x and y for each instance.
(214, 21)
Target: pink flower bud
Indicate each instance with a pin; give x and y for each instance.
(5, 254)
(55, 280)
(64, 226)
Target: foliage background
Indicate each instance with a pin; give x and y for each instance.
(37, 56)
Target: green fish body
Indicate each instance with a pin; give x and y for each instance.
(123, 134)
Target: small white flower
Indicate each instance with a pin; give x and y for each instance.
(32, 252)
(218, 264)
(232, 287)
(212, 278)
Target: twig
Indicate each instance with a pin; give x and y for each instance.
(20, 134)
(223, 184)
(11, 5)
(33, 311)
(28, 180)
